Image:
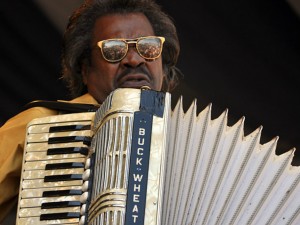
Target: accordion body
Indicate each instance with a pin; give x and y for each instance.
(136, 161)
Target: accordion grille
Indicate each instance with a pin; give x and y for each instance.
(112, 142)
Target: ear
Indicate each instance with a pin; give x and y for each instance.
(84, 72)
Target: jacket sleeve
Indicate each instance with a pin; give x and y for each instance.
(12, 138)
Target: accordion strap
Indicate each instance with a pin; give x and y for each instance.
(66, 107)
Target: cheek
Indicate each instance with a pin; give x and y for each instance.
(102, 71)
(157, 71)
(101, 78)
(98, 64)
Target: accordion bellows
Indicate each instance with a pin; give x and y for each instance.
(201, 171)
(222, 177)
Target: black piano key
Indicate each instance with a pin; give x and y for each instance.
(68, 150)
(56, 216)
(87, 141)
(61, 193)
(69, 128)
(63, 204)
(70, 165)
(67, 139)
(64, 177)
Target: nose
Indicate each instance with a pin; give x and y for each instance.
(132, 59)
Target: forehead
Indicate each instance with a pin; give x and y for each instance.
(129, 25)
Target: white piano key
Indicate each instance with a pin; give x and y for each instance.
(83, 209)
(36, 156)
(36, 220)
(37, 202)
(37, 165)
(39, 183)
(38, 193)
(84, 197)
(37, 211)
(67, 118)
(44, 137)
(88, 163)
(86, 175)
(44, 128)
(44, 146)
(82, 220)
(36, 174)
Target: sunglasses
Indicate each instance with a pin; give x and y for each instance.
(114, 50)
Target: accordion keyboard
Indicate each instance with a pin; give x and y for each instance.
(56, 149)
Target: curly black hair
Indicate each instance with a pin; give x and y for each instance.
(78, 36)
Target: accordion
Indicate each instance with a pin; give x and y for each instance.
(137, 161)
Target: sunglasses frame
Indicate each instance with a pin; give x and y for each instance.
(131, 41)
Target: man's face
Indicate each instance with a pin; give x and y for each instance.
(102, 77)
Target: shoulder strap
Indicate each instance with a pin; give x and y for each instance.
(66, 107)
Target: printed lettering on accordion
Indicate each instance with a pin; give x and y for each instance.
(135, 161)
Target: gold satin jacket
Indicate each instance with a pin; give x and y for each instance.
(12, 138)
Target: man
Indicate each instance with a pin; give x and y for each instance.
(105, 47)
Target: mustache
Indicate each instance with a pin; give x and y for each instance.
(137, 70)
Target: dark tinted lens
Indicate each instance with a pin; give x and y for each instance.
(114, 50)
(149, 48)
